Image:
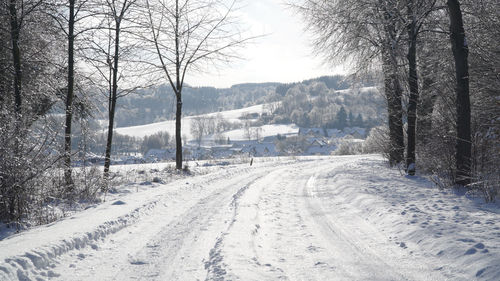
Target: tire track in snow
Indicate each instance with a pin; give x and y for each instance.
(283, 231)
(286, 242)
(179, 250)
(249, 250)
(238, 243)
(215, 265)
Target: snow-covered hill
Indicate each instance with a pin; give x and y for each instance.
(233, 116)
(306, 218)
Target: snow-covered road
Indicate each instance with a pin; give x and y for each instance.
(331, 218)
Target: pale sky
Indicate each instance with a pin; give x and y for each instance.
(284, 55)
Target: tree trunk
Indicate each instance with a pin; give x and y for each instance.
(393, 90)
(10, 181)
(69, 98)
(396, 120)
(16, 56)
(178, 93)
(393, 94)
(112, 105)
(178, 139)
(413, 85)
(460, 55)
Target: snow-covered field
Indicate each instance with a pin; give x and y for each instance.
(305, 218)
(230, 115)
(265, 131)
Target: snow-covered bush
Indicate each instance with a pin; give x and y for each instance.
(349, 146)
(377, 141)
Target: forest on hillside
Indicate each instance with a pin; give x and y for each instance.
(311, 96)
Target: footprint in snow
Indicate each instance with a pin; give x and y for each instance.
(319, 263)
(402, 245)
(52, 274)
(466, 240)
(471, 251)
(138, 262)
(313, 249)
(479, 246)
(480, 272)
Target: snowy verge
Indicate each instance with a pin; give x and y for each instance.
(36, 250)
(459, 236)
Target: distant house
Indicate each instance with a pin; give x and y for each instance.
(316, 132)
(267, 149)
(318, 142)
(356, 132)
(222, 151)
(270, 138)
(334, 133)
(320, 147)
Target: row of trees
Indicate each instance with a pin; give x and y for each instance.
(426, 61)
(211, 125)
(57, 56)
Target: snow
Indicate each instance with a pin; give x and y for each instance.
(235, 114)
(266, 131)
(362, 90)
(150, 129)
(169, 126)
(300, 218)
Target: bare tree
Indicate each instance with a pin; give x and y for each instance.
(258, 134)
(188, 35)
(74, 18)
(117, 14)
(247, 130)
(69, 95)
(198, 128)
(118, 70)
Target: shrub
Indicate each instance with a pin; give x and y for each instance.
(377, 141)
